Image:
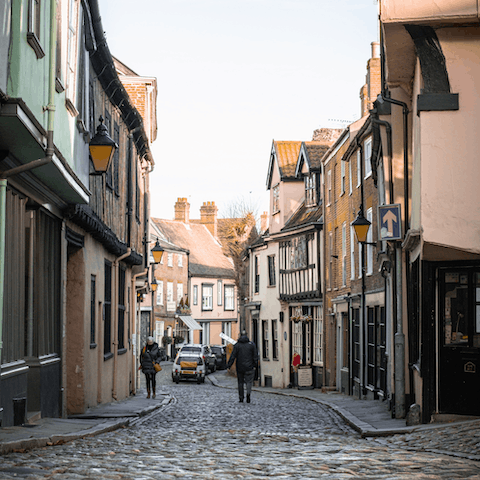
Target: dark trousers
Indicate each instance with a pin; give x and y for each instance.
(150, 378)
(247, 378)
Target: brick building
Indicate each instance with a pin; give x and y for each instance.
(211, 289)
(355, 324)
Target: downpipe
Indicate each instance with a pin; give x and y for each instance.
(135, 324)
(115, 324)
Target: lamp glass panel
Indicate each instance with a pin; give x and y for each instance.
(101, 156)
(157, 255)
(361, 231)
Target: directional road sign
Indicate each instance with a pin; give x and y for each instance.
(390, 222)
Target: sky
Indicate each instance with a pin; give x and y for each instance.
(234, 75)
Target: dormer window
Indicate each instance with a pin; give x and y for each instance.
(310, 190)
(276, 198)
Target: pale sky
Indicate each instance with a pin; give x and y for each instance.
(233, 75)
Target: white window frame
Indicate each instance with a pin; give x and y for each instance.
(369, 252)
(329, 187)
(229, 291)
(359, 168)
(160, 292)
(350, 179)
(352, 253)
(265, 340)
(342, 170)
(170, 300)
(367, 153)
(195, 294)
(180, 260)
(170, 260)
(207, 297)
(219, 293)
(276, 198)
(179, 292)
(297, 339)
(317, 336)
(310, 182)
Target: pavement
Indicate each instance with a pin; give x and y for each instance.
(370, 418)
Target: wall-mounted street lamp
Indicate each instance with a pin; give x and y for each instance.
(361, 226)
(157, 252)
(102, 148)
(154, 285)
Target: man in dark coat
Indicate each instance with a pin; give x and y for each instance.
(245, 353)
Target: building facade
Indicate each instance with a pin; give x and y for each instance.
(429, 107)
(69, 263)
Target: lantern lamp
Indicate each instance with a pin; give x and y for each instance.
(361, 226)
(102, 148)
(157, 252)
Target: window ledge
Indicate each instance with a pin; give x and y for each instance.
(107, 356)
(93, 345)
(59, 88)
(121, 351)
(34, 42)
(71, 108)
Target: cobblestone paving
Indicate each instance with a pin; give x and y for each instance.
(205, 433)
(462, 440)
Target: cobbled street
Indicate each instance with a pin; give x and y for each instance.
(204, 432)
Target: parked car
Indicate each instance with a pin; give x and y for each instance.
(220, 353)
(204, 351)
(188, 365)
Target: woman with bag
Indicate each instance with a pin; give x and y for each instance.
(149, 363)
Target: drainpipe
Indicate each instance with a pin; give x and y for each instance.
(134, 328)
(50, 108)
(114, 311)
(400, 409)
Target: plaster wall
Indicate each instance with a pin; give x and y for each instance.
(449, 144)
(270, 309)
(218, 314)
(428, 10)
(290, 196)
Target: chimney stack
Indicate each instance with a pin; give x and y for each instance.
(208, 217)
(264, 222)
(182, 210)
(372, 88)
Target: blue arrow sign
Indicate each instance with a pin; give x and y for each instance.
(390, 222)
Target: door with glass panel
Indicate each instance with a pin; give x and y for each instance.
(459, 342)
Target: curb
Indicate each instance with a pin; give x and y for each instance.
(104, 427)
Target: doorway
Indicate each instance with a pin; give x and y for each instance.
(459, 342)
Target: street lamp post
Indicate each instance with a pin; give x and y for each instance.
(153, 286)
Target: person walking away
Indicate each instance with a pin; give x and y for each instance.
(246, 356)
(149, 356)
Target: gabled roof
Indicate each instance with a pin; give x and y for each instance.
(206, 256)
(285, 155)
(311, 153)
(304, 216)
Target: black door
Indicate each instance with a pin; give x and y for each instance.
(459, 343)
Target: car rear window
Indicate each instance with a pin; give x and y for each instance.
(217, 350)
(189, 358)
(192, 349)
